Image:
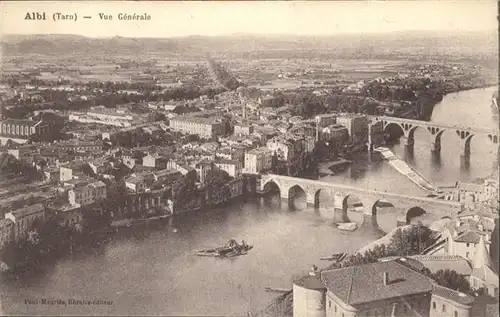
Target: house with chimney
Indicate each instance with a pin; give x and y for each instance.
(386, 288)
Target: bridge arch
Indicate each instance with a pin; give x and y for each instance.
(436, 144)
(411, 133)
(394, 130)
(378, 214)
(316, 198)
(414, 213)
(404, 129)
(493, 138)
(271, 186)
(296, 192)
(355, 210)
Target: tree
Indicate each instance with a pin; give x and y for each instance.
(494, 247)
(407, 242)
(411, 241)
(156, 116)
(33, 237)
(320, 150)
(183, 191)
(193, 138)
(217, 178)
(451, 279)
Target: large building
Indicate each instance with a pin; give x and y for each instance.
(375, 134)
(102, 115)
(464, 243)
(389, 288)
(472, 194)
(258, 160)
(284, 148)
(243, 129)
(232, 167)
(24, 219)
(86, 193)
(335, 133)
(205, 127)
(20, 130)
(324, 120)
(357, 126)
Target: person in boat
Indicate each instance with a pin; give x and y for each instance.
(232, 243)
(244, 245)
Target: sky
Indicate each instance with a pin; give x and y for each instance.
(170, 19)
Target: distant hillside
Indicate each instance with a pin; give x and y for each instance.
(425, 43)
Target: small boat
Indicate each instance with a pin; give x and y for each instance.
(157, 217)
(231, 249)
(136, 222)
(104, 230)
(277, 290)
(349, 226)
(337, 257)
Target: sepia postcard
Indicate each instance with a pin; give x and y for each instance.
(258, 159)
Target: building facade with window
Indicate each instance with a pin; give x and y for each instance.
(24, 219)
(6, 232)
(205, 127)
(449, 303)
(388, 288)
(232, 167)
(87, 193)
(258, 160)
(21, 130)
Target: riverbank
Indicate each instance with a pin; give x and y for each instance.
(158, 256)
(25, 255)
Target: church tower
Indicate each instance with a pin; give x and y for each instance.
(481, 256)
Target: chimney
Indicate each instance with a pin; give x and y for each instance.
(386, 278)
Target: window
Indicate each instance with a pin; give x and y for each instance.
(342, 314)
(335, 308)
(466, 254)
(329, 304)
(456, 314)
(468, 244)
(444, 308)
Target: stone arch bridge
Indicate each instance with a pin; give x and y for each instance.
(289, 186)
(436, 130)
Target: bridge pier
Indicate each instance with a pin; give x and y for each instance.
(466, 138)
(436, 134)
(408, 143)
(369, 224)
(340, 215)
(312, 200)
(436, 147)
(465, 160)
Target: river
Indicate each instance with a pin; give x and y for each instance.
(152, 271)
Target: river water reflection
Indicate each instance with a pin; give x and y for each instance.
(153, 271)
